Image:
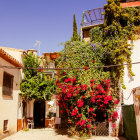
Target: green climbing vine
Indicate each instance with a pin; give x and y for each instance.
(118, 28)
(36, 85)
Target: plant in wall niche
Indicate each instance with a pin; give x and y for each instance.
(36, 85)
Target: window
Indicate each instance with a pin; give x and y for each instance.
(7, 88)
(5, 125)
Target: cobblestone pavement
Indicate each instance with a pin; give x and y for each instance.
(49, 134)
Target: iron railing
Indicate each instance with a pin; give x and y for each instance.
(93, 17)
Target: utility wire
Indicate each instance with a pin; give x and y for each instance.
(128, 96)
(107, 66)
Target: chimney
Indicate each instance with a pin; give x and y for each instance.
(34, 52)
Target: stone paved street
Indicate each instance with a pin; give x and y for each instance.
(49, 134)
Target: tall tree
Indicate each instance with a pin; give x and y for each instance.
(75, 33)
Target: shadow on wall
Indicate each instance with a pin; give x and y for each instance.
(6, 134)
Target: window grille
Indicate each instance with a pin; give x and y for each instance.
(7, 88)
(102, 129)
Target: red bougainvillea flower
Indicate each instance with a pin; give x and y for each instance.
(67, 80)
(93, 60)
(83, 97)
(74, 112)
(113, 125)
(91, 85)
(84, 87)
(107, 81)
(69, 121)
(109, 119)
(82, 122)
(91, 109)
(85, 67)
(73, 80)
(79, 115)
(57, 81)
(116, 101)
(93, 100)
(92, 80)
(107, 99)
(115, 115)
(71, 107)
(94, 115)
(64, 73)
(77, 91)
(61, 111)
(68, 111)
(89, 120)
(101, 105)
(40, 70)
(88, 126)
(80, 103)
(69, 95)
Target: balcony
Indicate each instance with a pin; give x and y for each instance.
(93, 17)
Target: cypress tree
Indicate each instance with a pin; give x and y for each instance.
(75, 33)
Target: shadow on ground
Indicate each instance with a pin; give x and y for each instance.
(64, 131)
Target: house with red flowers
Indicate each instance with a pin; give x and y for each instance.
(129, 97)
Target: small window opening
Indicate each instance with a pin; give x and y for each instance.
(7, 84)
(5, 125)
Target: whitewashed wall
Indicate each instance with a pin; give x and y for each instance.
(9, 106)
(133, 82)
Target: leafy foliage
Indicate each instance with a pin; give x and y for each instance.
(85, 95)
(35, 85)
(81, 55)
(119, 26)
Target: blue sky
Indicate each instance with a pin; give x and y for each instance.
(22, 22)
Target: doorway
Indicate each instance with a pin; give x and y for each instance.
(39, 114)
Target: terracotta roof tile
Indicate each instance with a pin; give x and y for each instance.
(9, 58)
(131, 4)
(12, 49)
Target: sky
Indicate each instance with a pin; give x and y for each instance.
(22, 22)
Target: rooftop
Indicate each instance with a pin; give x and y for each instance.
(9, 58)
(93, 17)
(12, 49)
(130, 4)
